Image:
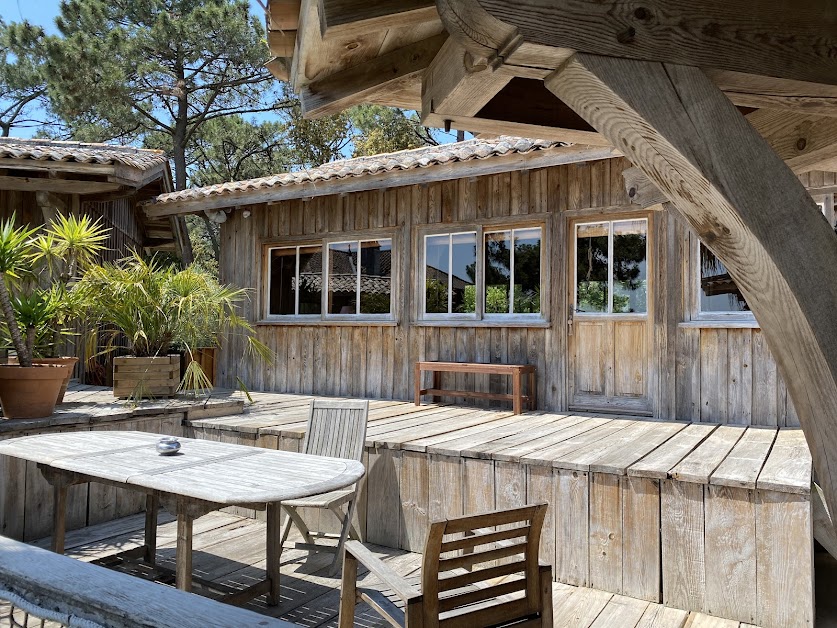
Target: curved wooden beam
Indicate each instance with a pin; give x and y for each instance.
(746, 205)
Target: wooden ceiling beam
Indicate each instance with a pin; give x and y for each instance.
(804, 142)
(281, 43)
(459, 84)
(283, 15)
(60, 186)
(349, 18)
(487, 127)
(355, 85)
(744, 203)
(794, 39)
(767, 92)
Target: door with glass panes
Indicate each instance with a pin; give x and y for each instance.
(608, 323)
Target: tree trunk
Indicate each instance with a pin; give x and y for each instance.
(179, 150)
(24, 358)
(210, 231)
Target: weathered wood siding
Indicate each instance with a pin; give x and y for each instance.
(704, 374)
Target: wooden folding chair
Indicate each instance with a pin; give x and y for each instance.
(509, 587)
(336, 429)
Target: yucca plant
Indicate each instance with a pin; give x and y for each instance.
(157, 307)
(17, 252)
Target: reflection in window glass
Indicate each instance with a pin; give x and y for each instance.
(718, 292)
(591, 249)
(497, 272)
(527, 271)
(342, 278)
(310, 280)
(295, 280)
(463, 273)
(630, 280)
(437, 268)
(375, 277)
(282, 298)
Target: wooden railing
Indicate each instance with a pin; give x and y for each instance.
(36, 584)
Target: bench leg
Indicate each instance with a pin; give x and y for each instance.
(417, 384)
(533, 392)
(518, 392)
(437, 384)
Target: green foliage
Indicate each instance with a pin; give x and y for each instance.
(496, 300)
(436, 296)
(380, 129)
(318, 141)
(23, 87)
(157, 307)
(128, 69)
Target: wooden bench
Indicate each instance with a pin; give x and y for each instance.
(515, 370)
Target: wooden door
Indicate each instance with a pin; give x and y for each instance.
(609, 329)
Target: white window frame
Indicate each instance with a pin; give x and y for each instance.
(610, 222)
(296, 314)
(480, 316)
(511, 313)
(327, 278)
(477, 272)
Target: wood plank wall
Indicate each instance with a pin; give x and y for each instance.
(697, 374)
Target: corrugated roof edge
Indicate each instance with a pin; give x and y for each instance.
(81, 152)
(424, 157)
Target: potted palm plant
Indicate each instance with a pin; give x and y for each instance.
(27, 390)
(157, 307)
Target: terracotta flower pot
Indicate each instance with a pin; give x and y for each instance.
(67, 361)
(30, 392)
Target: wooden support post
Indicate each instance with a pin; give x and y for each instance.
(517, 391)
(59, 517)
(274, 551)
(152, 507)
(744, 203)
(183, 556)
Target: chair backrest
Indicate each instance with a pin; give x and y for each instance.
(465, 560)
(336, 428)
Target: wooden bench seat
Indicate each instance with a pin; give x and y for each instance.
(516, 371)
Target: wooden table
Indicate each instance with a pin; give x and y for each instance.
(515, 370)
(204, 476)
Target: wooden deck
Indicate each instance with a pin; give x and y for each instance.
(229, 551)
(697, 516)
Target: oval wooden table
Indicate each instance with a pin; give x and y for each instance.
(204, 476)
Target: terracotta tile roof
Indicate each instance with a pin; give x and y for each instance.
(79, 152)
(424, 157)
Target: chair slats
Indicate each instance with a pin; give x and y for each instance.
(469, 560)
(462, 580)
(489, 615)
(476, 540)
(479, 595)
(498, 518)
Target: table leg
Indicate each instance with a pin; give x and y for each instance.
(183, 576)
(518, 392)
(59, 517)
(533, 391)
(152, 506)
(274, 551)
(417, 384)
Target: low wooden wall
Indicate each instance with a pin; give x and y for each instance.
(744, 554)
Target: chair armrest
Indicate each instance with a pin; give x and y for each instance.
(403, 589)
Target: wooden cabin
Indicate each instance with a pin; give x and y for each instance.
(40, 179)
(499, 250)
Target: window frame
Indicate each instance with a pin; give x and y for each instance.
(479, 317)
(323, 318)
(693, 282)
(358, 315)
(648, 273)
(296, 315)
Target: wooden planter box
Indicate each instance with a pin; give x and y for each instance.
(146, 377)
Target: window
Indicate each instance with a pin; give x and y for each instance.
(331, 280)
(295, 281)
(611, 267)
(717, 292)
(450, 268)
(360, 277)
(478, 274)
(513, 271)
